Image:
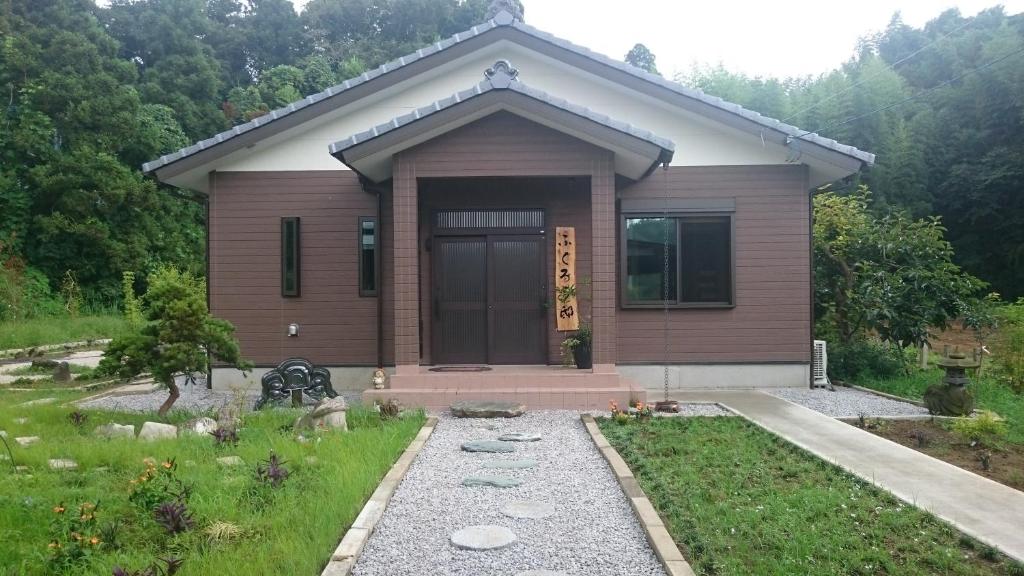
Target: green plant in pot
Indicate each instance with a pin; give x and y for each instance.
(579, 346)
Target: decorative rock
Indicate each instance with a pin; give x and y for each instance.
(328, 413)
(492, 481)
(488, 446)
(528, 509)
(202, 425)
(157, 431)
(230, 461)
(62, 464)
(510, 464)
(519, 437)
(487, 409)
(62, 373)
(114, 430)
(26, 440)
(483, 537)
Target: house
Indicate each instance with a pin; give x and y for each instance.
(407, 218)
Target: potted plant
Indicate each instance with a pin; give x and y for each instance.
(579, 347)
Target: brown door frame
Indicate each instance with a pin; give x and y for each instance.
(437, 355)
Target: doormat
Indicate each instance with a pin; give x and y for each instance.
(461, 369)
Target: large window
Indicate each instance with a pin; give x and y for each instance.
(290, 256)
(679, 260)
(368, 245)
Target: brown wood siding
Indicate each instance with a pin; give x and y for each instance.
(771, 319)
(336, 325)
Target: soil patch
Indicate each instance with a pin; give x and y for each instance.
(1006, 462)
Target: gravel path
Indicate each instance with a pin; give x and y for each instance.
(847, 402)
(593, 530)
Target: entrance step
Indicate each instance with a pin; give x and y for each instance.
(547, 398)
(509, 377)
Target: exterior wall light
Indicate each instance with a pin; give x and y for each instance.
(293, 330)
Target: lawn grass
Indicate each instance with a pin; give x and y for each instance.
(41, 331)
(738, 500)
(989, 394)
(289, 530)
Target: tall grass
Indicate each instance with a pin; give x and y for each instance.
(57, 330)
(293, 532)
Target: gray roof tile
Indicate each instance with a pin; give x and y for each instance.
(503, 19)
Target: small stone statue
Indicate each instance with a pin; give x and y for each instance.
(379, 377)
(951, 397)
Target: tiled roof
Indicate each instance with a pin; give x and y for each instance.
(504, 19)
(500, 80)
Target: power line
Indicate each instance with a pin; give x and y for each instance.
(912, 97)
(890, 66)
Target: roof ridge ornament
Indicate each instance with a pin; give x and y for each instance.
(501, 74)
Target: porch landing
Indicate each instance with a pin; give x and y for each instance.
(536, 386)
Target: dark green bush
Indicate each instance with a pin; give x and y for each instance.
(864, 358)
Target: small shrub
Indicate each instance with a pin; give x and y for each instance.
(1015, 568)
(131, 303)
(224, 436)
(78, 419)
(174, 517)
(988, 553)
(986, 428)
(222, 532)
(1008, 346)
(985, 459)
(163, 567)
(390, 409)
(71, 294)
(922, 437)
(862, 359)
(272, 471)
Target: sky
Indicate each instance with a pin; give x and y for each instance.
(757, 38)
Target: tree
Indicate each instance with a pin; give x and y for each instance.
(891, 275)
(642, 57)
(178, 334)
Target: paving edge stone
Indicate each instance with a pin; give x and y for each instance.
(351, 546)
(657, 535)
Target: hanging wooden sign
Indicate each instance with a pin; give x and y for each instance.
(566, 306)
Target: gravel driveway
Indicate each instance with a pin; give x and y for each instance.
(593, 530)
(847, 402)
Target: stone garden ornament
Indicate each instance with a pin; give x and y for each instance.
(292, 378)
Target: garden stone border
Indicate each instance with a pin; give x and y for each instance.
(32, 351)
(974, 413)
(657, 535)
(351, 546)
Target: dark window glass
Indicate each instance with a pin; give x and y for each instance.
(289, 256)
(699, 263)
(368, 256)
(706, 260)
(646, 242)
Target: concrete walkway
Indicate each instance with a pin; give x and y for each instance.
(986, 510)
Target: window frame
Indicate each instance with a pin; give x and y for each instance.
(363, 293)
(285, 291)
(681, 216)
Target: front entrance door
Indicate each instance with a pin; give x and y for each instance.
(489, 294)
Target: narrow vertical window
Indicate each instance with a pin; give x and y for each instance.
(290, 273)
(368, 256)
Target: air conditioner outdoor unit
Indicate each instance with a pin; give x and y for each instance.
(820, 366)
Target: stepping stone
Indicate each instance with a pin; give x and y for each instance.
(488, 446)
(510, 464)
(230, 461)
(542, 573)
(62, 464)
(26, 440)
(157, 431)
(528, 509)
(114, 430)
(487, 409)
(493, 481)
(519, 437)
(483, 537)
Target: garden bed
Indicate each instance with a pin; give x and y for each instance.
(1005, 460)
(739, 500)
(238, 519)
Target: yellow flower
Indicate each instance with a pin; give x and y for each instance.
(59, 509)
(168, 465)
(54, 544)
(94, 540)
(76, 536)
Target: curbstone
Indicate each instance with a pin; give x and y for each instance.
(665, 548)
(352, 543)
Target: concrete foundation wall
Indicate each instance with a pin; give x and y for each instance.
(718, 376)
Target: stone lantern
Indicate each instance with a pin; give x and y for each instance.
(951, 397)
